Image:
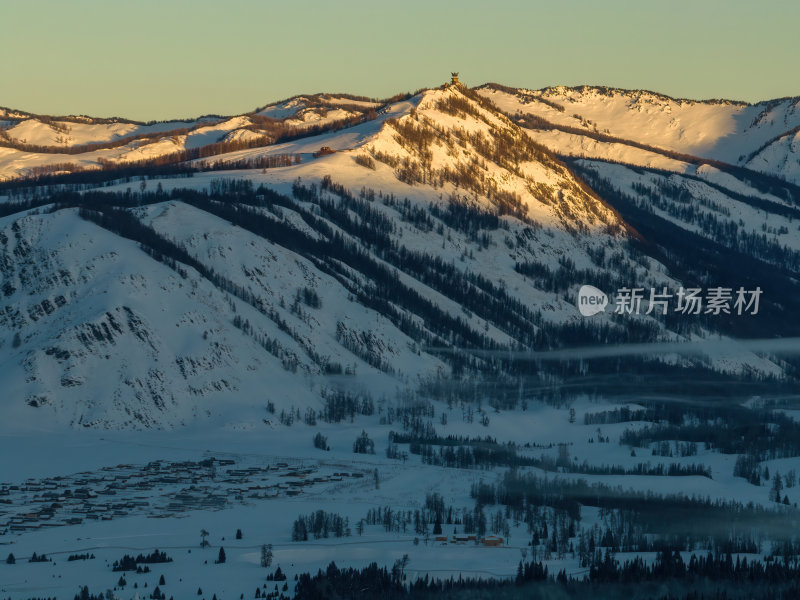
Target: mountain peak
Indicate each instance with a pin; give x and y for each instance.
(460, 143)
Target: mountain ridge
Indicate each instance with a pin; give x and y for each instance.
(439, 222)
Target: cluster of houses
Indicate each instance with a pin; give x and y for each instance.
(159, 489)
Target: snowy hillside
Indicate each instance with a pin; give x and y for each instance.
(37, 144)
(237, 350)
(759, 136)
(666, 163)
(439, 224)
(732, 132)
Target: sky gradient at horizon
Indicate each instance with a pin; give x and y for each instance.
(182, 58)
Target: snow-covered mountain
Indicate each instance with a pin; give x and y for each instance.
(700, 170)
(762, 136)
(453, 219)
(37, 144)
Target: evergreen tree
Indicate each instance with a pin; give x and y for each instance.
(321, 442)
(437, 526)
(777, 487)
(363, 445)
(266, 555)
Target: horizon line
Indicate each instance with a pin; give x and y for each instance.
(387, 99)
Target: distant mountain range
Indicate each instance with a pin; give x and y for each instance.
(332, 248)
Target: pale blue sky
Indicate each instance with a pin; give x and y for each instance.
(152, 59)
